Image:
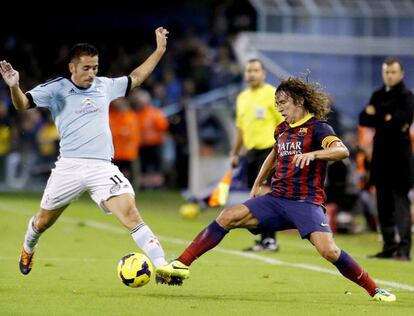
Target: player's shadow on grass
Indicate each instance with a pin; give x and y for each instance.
(218, 297)
(360, 301)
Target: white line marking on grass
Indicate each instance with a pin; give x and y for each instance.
(253, 256)
(272, 261)
(74, 259)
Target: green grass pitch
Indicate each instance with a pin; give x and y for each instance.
(74, 272)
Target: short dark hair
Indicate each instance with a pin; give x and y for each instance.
(256, 60)
(82, 49)
(392, 60)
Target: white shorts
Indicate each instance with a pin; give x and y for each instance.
(73, 176)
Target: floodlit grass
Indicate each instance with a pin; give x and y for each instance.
(74, 272)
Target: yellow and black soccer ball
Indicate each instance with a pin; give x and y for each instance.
(135, 270)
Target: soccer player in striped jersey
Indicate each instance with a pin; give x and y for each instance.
(304, 143)
(256, 119)
(79, 106)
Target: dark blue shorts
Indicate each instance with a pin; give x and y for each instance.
(276, 214)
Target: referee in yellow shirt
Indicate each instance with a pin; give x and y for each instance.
(256, 120)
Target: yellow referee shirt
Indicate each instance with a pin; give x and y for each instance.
(257, 116)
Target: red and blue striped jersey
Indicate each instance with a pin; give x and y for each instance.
(289, 181)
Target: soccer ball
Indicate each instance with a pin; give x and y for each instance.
(189, 210)
(135, 270)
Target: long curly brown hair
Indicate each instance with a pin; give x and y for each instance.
(314, 99)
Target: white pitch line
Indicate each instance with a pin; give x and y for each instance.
(74, 259)
(253, 256)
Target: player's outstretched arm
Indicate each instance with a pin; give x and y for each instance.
(11, 78)
(335, 151)
(139, 74)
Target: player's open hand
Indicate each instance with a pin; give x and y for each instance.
(161, 36)
(10, 76)
(303, 160)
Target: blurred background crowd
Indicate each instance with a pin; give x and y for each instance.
(205, 55)
(199, 59)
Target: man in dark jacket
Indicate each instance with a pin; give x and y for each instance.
(390, 112)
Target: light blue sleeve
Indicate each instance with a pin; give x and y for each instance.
(118, 87)
(43, 94)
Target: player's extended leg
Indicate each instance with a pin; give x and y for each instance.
(233, 217)
(268, 241)
(347, 266)
(37, 225)
(123, 207)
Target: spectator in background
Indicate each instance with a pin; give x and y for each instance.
(47, 140)
(179, 133)
(159, 95)
(126, 136)
(256, 120)
(411, 193)
(173, 86)
(5, 137)
(153, 127)
(347, 189)
(225, 70)
(22, 159)
(363, 157)
(390, 112)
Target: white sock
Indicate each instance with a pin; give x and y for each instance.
(31, 237)
(145, 239)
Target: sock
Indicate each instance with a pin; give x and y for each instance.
(145, 239)
(354, 272)
(31, 238)
(206, 240)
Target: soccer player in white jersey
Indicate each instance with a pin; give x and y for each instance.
(79, 106)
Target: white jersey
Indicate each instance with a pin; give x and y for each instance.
(81, 115)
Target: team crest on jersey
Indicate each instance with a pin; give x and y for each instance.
(88, 106)
(88, 102)
(303, 131)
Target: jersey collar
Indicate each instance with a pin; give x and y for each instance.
(304, 120)
(81, 88)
